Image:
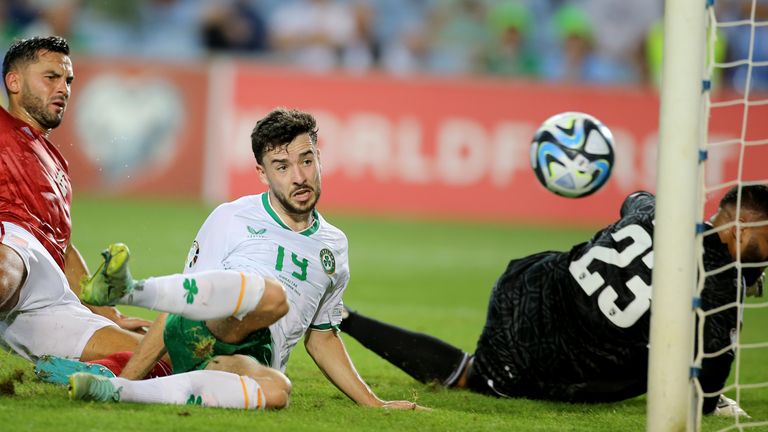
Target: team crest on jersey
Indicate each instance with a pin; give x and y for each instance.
(328, 261)
(194, 252)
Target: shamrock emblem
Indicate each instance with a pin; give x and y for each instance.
(328, 261)
(190, 286)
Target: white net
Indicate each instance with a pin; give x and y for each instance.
(736, 153)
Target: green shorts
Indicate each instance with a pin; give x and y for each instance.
(191, 345)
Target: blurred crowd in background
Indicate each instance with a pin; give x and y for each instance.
(594, 41)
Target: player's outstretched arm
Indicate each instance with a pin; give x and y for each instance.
(330, 355)
(75, 269)
(149, 351)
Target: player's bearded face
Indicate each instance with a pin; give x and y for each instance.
(297, 208)
(293, 175)
(38, 109)
(45, 88)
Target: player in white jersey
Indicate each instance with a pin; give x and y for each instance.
(312, 264)
(277, 235)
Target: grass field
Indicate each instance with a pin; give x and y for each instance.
(430, 276)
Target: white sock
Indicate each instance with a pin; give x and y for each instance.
(205, 387)
(201, 296)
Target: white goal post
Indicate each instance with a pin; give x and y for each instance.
(678, 209)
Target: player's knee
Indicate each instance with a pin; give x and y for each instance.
(274, 303)
(275, 386)
(12, 275)
(277, 389)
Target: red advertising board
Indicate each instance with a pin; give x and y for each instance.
(136, 128)
(456, 148)
(439, 147)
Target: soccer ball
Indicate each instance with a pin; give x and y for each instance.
(572, 154)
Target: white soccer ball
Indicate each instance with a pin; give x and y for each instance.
(572, 154)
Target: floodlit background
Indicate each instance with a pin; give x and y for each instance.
(422, 105)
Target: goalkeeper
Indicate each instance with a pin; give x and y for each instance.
(573, 326)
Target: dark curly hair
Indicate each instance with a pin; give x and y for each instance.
(753, 197)
(23, 51)
(279, 128)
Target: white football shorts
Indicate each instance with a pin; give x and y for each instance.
(48, 318)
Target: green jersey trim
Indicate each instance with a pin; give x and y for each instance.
(325, 327)
(306, 232)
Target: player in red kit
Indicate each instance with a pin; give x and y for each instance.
(39, 267)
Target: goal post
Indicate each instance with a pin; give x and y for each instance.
(678, 209)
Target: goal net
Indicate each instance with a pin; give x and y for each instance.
(736, 99)
(713, 136)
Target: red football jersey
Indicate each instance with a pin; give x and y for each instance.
(35, 192)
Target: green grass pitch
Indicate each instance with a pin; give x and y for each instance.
(426, 275)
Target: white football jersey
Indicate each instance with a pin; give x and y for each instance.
(313, 265)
